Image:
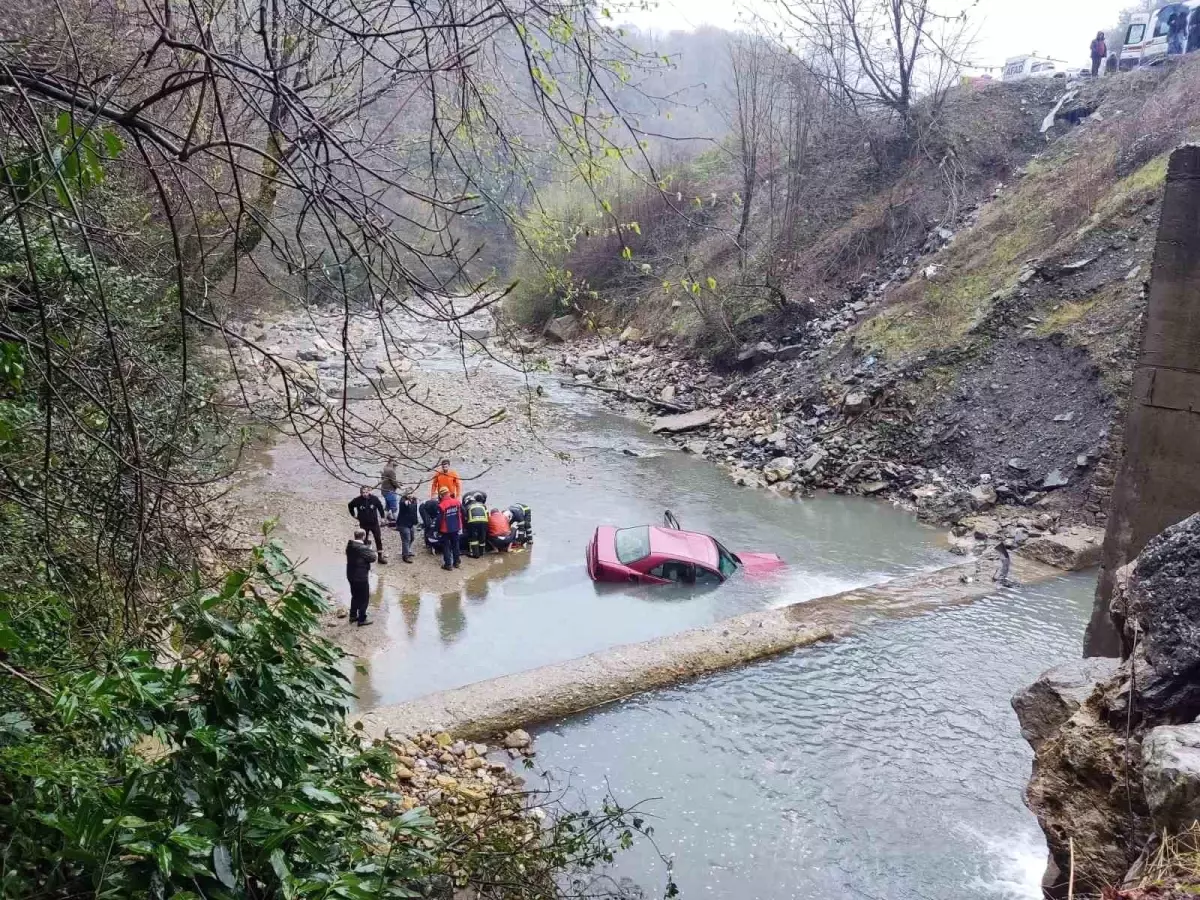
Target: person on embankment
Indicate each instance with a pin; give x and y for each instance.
(1099, 50)
(445, 477)
(359, 557)
(406, 523)
(368, 510)
(450, 525)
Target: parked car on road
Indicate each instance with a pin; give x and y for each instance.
(650, 554)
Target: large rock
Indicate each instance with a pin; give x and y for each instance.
(689, 421)
(630, 335)
(1163, 599)
(779, 469)
(1171, 775)
(856, 402)
(756, 353)
(983, 496)
(563, 329)
(1073, 550)
(1045, 705)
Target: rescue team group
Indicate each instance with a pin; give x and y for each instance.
(452, 523)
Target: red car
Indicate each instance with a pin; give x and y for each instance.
(649, 554)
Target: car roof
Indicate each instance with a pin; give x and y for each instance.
(686, 546)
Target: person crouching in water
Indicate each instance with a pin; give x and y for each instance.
(450, 524)
(477, 526)
(430, 512)
(368, 510)
(359, 557)
(499, 532)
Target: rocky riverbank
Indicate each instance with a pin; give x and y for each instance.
(1116, 773)
(772, 421)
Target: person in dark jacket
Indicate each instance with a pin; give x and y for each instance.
(369, 511)
(359, 557)
(1099, 51)
(1193, 33)
(1177, 27)
(429, 512)
(406, 521)
(450, 526)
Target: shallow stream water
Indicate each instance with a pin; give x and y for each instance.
(539, 607)
(886, 765)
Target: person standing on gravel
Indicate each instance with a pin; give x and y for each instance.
(406, 522)
(390, 488)
(445, 477)
(450, 525)
(1099, 52)
(359, 557)
(368, 510)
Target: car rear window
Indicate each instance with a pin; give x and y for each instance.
(632, 544)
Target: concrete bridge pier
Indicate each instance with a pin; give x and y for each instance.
(1158, 482)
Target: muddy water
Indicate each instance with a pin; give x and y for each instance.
(539, 607)
(887, 765)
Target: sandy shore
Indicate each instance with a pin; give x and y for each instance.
(304, 484)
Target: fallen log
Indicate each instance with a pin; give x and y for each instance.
(628, 395)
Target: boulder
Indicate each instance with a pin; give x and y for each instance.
(1072, 550)
(1045, 705)
(1055, 479)
(756, 353)
(779, 469)
(697, 447)
(856, 402)
(689, 421)
(630, 335)
(313, 354)
(667, 394)
(517, 740)
(563, 328)
(1018, 465)
(1171, 775)
(871, 488)
(814, 459)
(983, 496)
(1164, 602)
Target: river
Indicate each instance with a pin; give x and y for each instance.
(885, 765)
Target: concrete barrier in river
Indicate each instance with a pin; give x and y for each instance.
(491, 707)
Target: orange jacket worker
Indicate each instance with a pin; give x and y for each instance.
(445, 477)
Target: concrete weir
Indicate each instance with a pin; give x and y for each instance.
(490, 707)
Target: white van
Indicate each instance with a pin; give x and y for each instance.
(1018, 68)
(1146, 35)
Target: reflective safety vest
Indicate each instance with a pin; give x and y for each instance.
(520, 512)
(477, 514)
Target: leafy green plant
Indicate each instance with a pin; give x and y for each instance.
(226, 772)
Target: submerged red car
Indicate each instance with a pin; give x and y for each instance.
(649, 554)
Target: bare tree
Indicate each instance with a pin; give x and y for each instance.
(754, 70)
(880, 54)
(206, 143)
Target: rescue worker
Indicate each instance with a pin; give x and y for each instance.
(368, 510)
(429, 511)
(390, 488)
(499, 532)
(477, 526)
(522, 523)
(406, 521)
(445, 477)
(1177, 33)
(450, 523)
(359, 557)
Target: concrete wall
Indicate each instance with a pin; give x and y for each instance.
(1158, 483)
